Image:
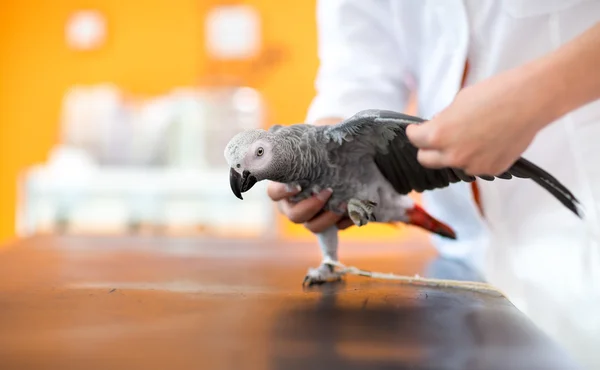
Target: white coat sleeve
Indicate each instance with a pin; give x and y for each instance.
(360, 60)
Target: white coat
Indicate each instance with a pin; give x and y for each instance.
(373, 52)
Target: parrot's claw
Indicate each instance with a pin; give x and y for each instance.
(361, 211)
(325, 273)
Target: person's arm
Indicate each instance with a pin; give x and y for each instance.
(360, 68)
(361, 65)
(574, 72)
(491, 123)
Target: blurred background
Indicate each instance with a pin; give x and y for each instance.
(114, 114)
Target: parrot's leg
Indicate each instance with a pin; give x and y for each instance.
(361, 211)
(328, 242)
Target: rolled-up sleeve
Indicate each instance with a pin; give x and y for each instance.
(360, 60)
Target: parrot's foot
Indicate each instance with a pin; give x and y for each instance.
(361, 211)
(325, 273)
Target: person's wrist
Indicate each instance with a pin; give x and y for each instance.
(547, 84)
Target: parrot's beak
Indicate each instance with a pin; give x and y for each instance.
(241, 183)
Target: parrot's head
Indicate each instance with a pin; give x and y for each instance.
(252, 157)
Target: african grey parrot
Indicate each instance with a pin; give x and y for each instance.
(371, 166)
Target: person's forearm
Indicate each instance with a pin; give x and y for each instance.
(509, 109)
(569, 77)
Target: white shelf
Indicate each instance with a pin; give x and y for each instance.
(149, 161)
(117, 199)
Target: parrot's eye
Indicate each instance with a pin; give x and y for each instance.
(259, 151)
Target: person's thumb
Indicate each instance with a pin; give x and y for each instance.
(419, 135)
(278, 191)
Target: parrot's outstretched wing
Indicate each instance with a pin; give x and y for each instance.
(382, 133)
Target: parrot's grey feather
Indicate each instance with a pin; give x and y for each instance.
(275, 128)
(382, 134)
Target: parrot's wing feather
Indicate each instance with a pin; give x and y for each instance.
(275, 128)
(382, 134)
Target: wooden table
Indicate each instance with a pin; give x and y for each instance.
(167, 303)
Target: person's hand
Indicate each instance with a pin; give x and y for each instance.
(486, 128)
(309, 211)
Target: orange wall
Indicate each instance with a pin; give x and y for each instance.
(152, 46)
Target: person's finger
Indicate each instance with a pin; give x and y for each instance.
(419, 135)
(344, 223)
(306, 209)
(323, 221)
(431, 158)
(424, 136)
(278, 191)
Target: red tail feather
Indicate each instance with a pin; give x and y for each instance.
(419, 217)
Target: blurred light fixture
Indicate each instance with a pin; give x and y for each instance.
(85, 30)
(233, 32)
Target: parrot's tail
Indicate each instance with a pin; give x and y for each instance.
(525, 169)
(417, 216)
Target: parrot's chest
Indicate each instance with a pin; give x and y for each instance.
(358, 180)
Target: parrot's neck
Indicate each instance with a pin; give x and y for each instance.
(304, 159)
